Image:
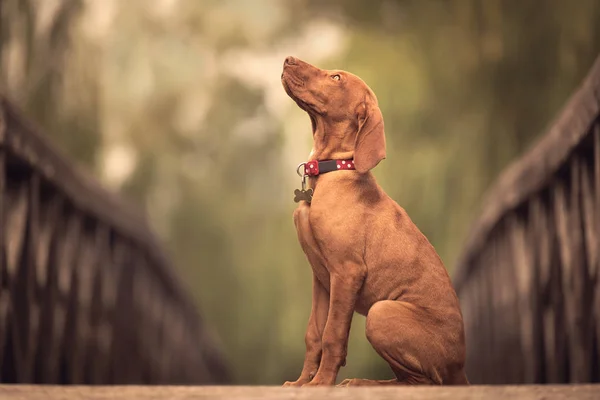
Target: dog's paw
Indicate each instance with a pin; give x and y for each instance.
(297, 383)
(319, 382)
(344, 383)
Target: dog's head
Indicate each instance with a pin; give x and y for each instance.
(343, 110)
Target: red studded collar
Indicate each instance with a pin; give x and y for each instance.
(314, 168)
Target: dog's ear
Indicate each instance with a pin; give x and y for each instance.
(369, 148)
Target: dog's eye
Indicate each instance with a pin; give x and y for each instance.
(335, 77)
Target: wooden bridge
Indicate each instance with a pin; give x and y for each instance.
(528, 279)
(86, 293)
(88, 297)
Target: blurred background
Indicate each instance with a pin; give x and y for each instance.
(178, 105)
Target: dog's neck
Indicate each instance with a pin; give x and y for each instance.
(333, 140)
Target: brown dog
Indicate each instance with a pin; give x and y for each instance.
(366, 253)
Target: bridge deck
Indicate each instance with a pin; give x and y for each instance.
(527, 392)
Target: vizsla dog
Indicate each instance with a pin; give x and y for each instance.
(366, 253)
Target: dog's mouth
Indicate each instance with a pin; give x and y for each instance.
(291, 84)
(295, 87)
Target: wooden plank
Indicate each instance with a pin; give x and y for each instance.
(524, 392)
(141, 300)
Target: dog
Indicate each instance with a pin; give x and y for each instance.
(366, 254)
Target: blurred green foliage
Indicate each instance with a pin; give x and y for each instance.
(177, 104)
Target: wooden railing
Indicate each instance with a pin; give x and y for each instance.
(86, 294)
(528, 277)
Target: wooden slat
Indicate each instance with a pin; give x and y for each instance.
(47, 279)
(468, 298)
(17, 201)
(589, 219)
(554, 320)
(596, 272)
(96, 360)
(568, 264)
(574, 276)
(87, 267)
(49, 220)
(512, 363)
(475, 369)
(105, 329)
(121, 355)
(68, 238)
(80, 294)
(524, 283)
(4, 295)
(18, 268)
(537, 245)
(490, 296)
(499, 293)
(29, 286)
(140, 295)
(465, 299)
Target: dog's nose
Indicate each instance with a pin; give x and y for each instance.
(290, 61)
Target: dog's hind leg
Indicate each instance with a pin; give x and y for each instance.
(406, 338)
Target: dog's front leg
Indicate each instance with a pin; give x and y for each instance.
(344, 288)
(314, 334)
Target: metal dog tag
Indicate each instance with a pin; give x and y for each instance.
(305, 195)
